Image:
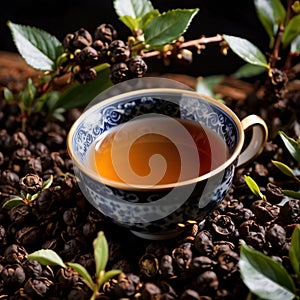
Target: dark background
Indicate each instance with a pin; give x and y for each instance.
(59, 17)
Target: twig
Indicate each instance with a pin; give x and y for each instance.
(193, 43)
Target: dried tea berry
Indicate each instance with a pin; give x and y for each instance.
(119, 52)
(150, 291)
(166, 265)
(207, 283)
(290, 211)
(12, 276)
(264, 211)
(82, 76)
(274, 193)
(182, 255)
(119, 72)
(106, 33)
(137, 67)
(78, 40)
(149, 265)
(31, 183)
(88, 56)
(203, 243)
(276, 236)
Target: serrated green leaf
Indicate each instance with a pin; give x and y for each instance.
(291, 31)
(47, 257)
(284, 168)
(295, 45)
(133, 8)
(8, 95)
(108, 275)
(253, 187)
(269, 14)
(292, 146)
(246, 50)
(100, 252)
(13, 202)
(249, 70)
(79, 95)
(38, 48)
(264, 276)
(165, 28)
(206, 85)
(294, 252)
(82, 271)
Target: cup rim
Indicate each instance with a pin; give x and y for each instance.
(139, 187)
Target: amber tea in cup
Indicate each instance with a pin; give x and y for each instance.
(151, 158)
(149, 149)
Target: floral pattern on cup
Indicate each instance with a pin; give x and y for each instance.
(104, 198)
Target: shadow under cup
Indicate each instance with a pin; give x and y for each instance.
(155, 212)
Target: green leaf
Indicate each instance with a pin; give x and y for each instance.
(292, 194)
(130, 22)
(294, 252)
(83, 273)
(292, 146)
(79, 95)
(253, 187)
(27, 95)
(58, 114)
(264, 276)
(291, 31)
(249, 70)
(39, 49)
(52, 98)
(47, 183)
(8, 95)
(139, 23)
(284, 168)
(206, 85)
(47, 257)
(132, 8)
(108, 275)
(295, 45)
(246, 50)
(13, 202)
(145, 20)
(165, 28)
(47, 100)
(100, 252)
(269, 14)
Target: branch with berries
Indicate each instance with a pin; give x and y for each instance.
(95, 61)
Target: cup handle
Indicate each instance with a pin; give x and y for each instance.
(258, 140)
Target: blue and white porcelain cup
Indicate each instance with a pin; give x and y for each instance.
(160, 211)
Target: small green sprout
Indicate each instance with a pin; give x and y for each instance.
(50, 257)
(27, 198)
(254, 187)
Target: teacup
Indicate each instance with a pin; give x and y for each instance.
(159, 209)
